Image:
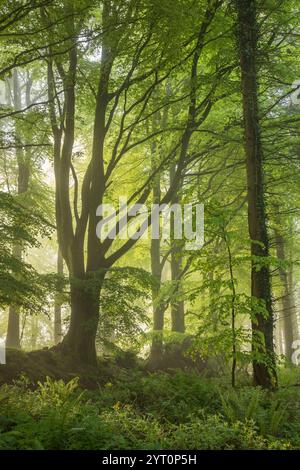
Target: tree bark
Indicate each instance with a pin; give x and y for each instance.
(278, 334)
(291, 288)
(177, 305)
(156, 271)
(57, 303)
(262, 322)
(158, 309)
(34, 332)
(80, 339)
(13, 327)
(287, 310)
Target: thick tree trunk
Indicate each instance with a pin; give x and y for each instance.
(80, 339)
(57, 304)
(286, 300)
(262, 323)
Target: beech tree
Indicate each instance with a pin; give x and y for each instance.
(262, 313)
(124, 88)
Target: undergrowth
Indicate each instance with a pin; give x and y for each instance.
(155, 411)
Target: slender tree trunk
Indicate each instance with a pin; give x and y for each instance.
(213, 292)
(158, 309)
(262, 323)
(13, 327)
(291, 286)
(177, 304)
(287, 308)
(57, 303)
(34, 331)
(233, 312)
(291, 289)
(156, 271)
(278, 333)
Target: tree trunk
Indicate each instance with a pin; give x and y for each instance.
(177, 305)
(13, 327)
(58, 304)
(158, 309)
(291, 288)
(264, 367)
(278, 334)
(287, 308)
(80, 339)
(156, 271)
(34, 332)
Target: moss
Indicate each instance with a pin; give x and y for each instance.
(37, 365)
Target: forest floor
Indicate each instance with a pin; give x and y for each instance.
(43, 363)
(124, 405)
(51, 362)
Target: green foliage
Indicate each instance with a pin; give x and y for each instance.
(156, 411)
(125, 296)
(253, 404)
(169, 397)
(215, 433)
(20, 283)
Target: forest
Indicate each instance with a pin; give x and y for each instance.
(149, 225)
